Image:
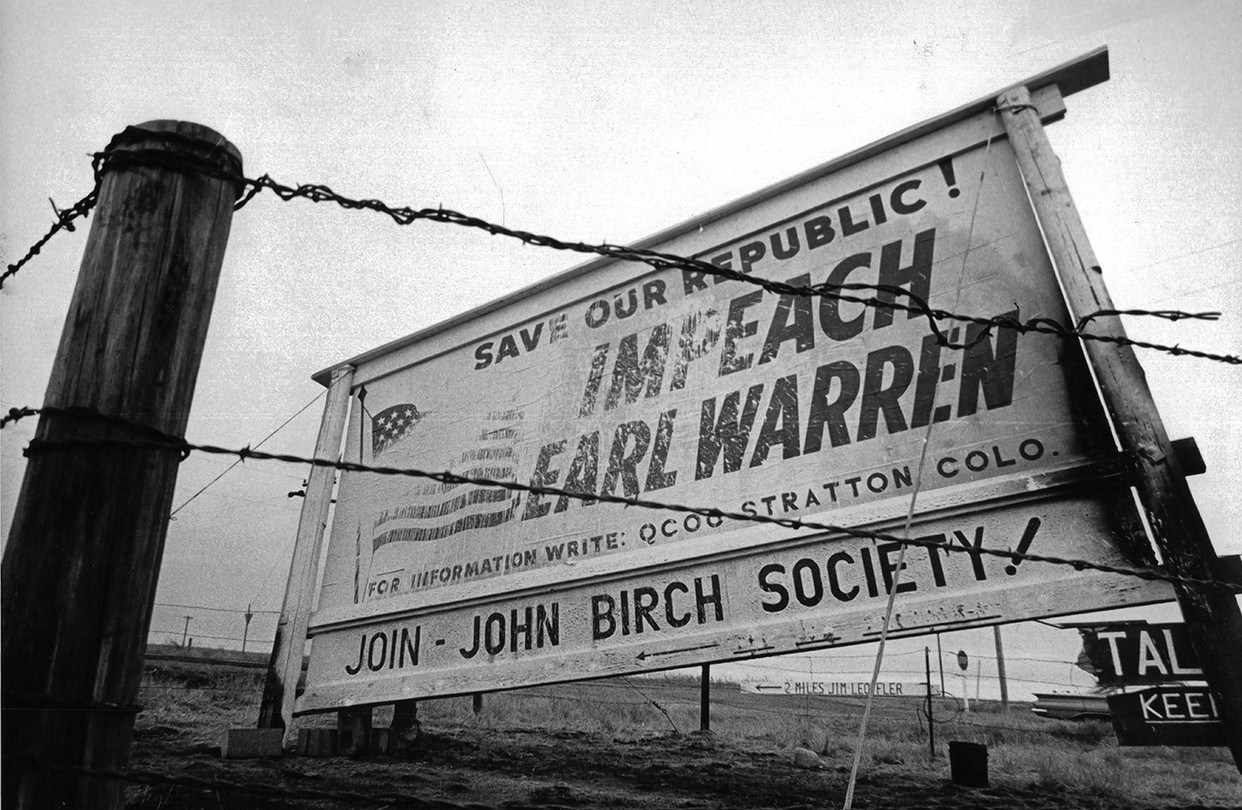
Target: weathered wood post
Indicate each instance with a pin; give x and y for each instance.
(82, 562)
(931, 717)
(1211, 614)
(705, 698)
(353, 730)
(1000, 668)
(405, 726)
(288, 647)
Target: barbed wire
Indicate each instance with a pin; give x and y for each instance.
(112, 158)
(665, 261)
(884, 295)
(157, 440)
(64, 221)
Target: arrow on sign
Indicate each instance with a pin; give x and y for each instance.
(644, 655)
(827, 638)
(765, 687)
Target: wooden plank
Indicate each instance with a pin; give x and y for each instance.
(1211, 614)
(803, 594)
(82, 562)
(885, 515)
(279, 689)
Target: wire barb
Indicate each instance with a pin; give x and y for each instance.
(113, 158)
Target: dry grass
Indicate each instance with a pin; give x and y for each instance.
(1026, 753)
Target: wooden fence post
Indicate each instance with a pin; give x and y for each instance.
(82, 563)
(705, 698)
(285, 666)
(1211, 614)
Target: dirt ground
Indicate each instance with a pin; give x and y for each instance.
(624, 754)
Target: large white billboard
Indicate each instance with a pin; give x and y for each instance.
(680, 387)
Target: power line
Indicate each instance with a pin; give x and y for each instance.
(218, 609)
(186, 503)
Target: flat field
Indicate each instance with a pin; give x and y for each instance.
(635, 743)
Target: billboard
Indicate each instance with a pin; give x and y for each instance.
(617, 379)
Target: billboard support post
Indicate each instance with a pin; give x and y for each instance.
(1000, 668)
(1211, 615)
(931, 719)
(285, 666)
(705, 698)
(82, 563)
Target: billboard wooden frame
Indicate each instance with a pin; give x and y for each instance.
(1086, 71)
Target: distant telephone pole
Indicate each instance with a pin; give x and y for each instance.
(1000, 668)
(186, 632)
(246, 630)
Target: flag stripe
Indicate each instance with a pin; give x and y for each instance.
(422, 535)
(436, 510)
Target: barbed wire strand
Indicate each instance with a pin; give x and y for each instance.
(64, 221)
(665, 261)
(110, 159)
(160, 441)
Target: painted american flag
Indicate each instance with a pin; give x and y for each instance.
(391, 425)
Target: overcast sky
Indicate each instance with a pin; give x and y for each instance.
(586, 121)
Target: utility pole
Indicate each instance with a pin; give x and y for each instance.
(246, 629)
(1211, 614)
(940, 662)
(1000, 668)
(186, 631)
(82, 562)
(931, 716)
(963, 663)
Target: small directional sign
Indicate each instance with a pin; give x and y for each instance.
(1140, 653)
(1167, 715)
(836, 686)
